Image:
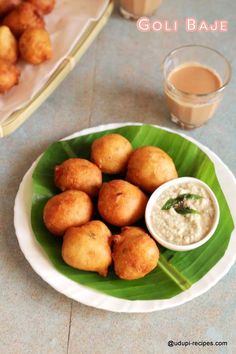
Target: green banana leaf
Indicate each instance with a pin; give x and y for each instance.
(176, 271)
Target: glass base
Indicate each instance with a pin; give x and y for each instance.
(130, 16)
(186, 126)
(127, 15)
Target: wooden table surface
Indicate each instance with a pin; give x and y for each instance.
(119, 79)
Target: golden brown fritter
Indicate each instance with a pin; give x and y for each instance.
(149, 167)
(111, 153)
(70, 208)
(44, 6)
(35, 46)
(87, 247)
(9, 75)
(8, 5)
(23, 17)
(79, 174)
(8, 45)
(120, 203)
(135, 253)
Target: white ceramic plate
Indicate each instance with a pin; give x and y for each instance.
(42, 265)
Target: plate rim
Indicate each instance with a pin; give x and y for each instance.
(91, 297)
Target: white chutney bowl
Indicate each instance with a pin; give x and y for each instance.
(156, 194)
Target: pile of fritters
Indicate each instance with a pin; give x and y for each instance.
(88, 244)
(22, 35)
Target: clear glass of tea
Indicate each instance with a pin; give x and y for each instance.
(195, 78)
(134, 9)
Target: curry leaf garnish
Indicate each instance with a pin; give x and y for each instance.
(185, 210)
(179, 206)
(181, 198)
(169, 204)
(189, 196)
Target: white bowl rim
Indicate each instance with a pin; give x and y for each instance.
(159, 191)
